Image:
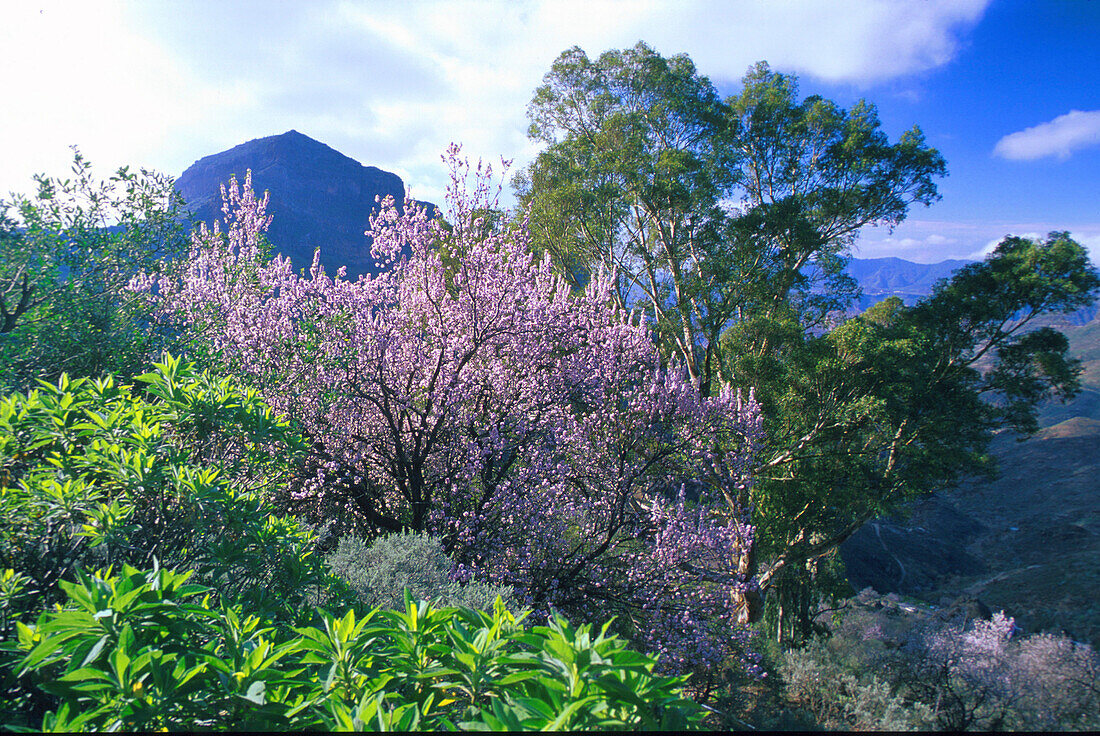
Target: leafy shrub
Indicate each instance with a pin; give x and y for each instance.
(381, 571)
(15, 600)
(841, 699)
(146, 650)
(93, 472)
(892, 666)
(64, 260)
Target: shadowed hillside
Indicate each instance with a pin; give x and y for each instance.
(1027, 542)
(1084, 343)
(320, 198)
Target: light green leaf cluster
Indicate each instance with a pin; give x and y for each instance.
(94, 472)
(147, 650)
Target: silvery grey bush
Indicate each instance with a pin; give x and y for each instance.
(380, 571)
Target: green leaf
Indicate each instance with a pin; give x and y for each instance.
(567, 714)
(95, 651)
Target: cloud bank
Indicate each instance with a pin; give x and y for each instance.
(391, 84)
(930, 241)
(1060, 137)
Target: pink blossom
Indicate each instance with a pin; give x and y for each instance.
(467, 391)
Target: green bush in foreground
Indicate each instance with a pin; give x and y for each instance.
(175, 468)
(146, 650)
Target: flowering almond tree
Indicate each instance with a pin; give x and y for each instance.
(467, 392)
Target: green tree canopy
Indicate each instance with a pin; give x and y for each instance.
(902, 401)
(709, 211)
(730, 224)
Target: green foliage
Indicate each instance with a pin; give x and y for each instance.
(64, 260)
(900, 401)
(813, 175)
(16, 597)
(642, 159)
(146, 650)
(636, 163)
(94, 472)
(840, 698)
(641, 165)
(977, 324)
(860, 415)
(381, 571)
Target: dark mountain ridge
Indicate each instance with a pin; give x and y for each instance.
(319, 198)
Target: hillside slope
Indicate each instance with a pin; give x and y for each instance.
(1084, 343)
(880, 278)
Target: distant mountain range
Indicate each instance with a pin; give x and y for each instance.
(880, 278)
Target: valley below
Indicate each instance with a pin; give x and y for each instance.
(1026, 542)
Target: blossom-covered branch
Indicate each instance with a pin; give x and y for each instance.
(467, 391)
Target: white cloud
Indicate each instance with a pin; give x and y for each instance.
(492, 56)
(161, 84)
(1090, 239)
(1059, 137)
(78, 74)
(861, 41)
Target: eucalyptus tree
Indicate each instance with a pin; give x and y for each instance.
(632, 180)
(811, 175)
(710, 211)
(730, 223)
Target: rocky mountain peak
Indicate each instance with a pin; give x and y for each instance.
(319, 197)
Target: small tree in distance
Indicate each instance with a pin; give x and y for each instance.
(466, 392)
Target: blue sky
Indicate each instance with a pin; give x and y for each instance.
(1009, 91)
